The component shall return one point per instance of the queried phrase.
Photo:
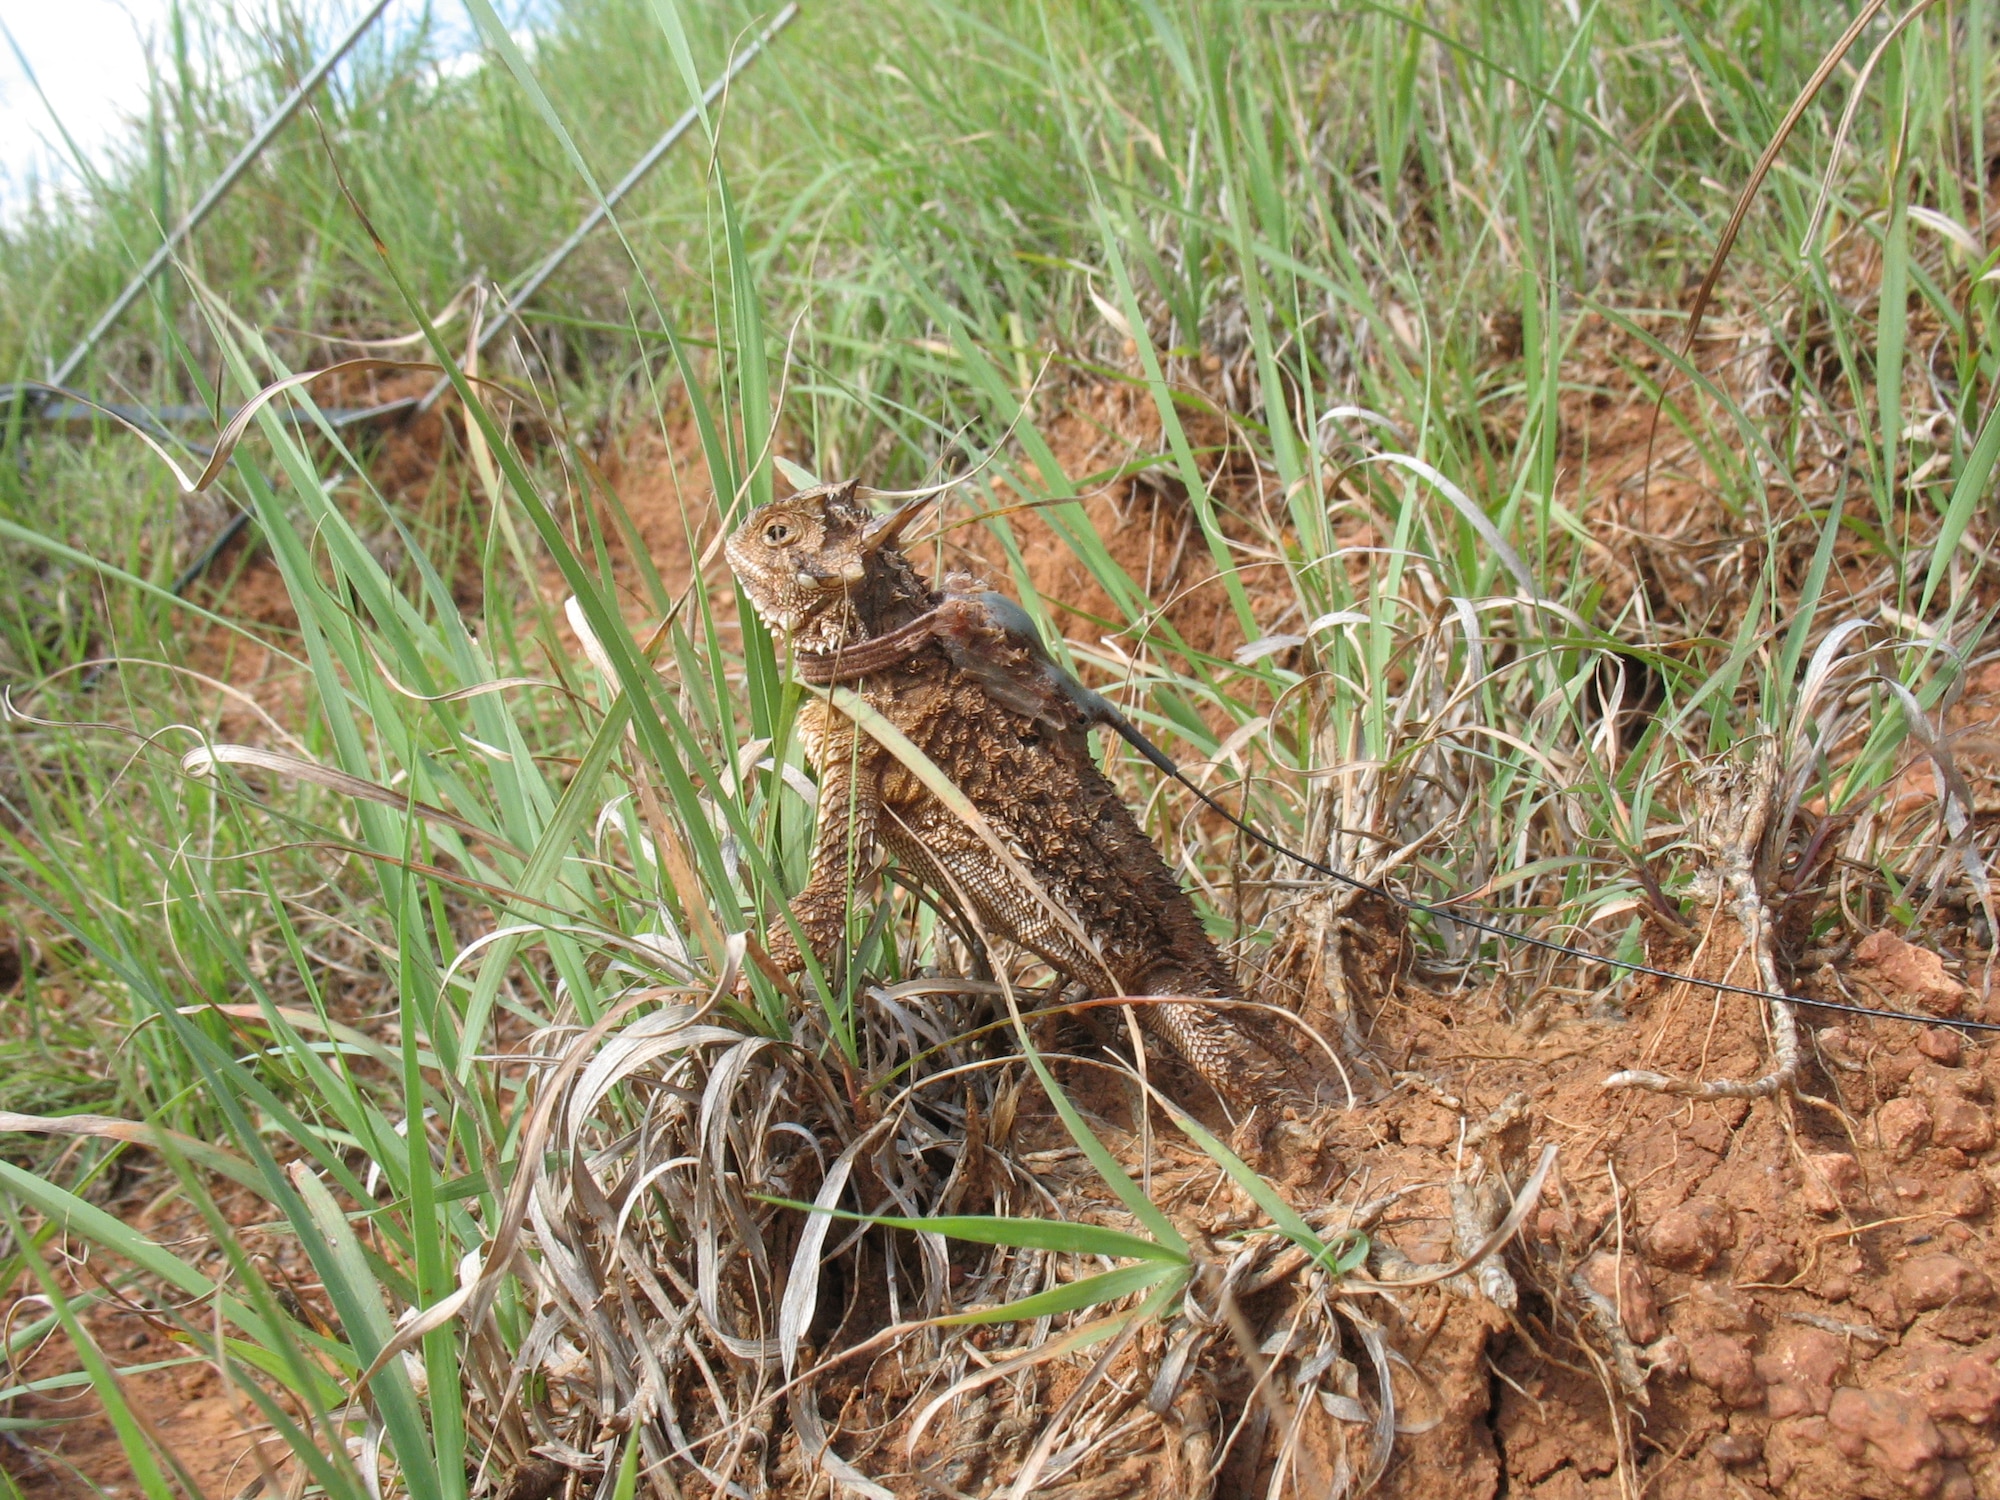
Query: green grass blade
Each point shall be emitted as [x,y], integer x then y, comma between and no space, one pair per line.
[1026,1234]
[1106,1286]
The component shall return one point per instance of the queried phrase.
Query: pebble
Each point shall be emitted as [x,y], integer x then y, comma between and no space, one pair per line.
[1690,1236]
[1902,1126]
[1555,1226]
[1894,1069]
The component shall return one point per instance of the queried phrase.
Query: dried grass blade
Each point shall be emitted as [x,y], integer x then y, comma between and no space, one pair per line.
[134,1133]
[674,1028]
[1476,518]
[818,1446]
[203,759]
[1076,1339]
[232,433]
[801,1296]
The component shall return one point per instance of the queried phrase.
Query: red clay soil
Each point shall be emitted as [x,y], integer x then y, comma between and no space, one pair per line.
[212,1434]
[1807,1287]
[1143,521]
[1813,1278]
[215,1434]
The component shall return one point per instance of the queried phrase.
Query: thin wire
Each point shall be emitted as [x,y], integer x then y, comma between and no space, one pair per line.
[1096,709]
[1549,944]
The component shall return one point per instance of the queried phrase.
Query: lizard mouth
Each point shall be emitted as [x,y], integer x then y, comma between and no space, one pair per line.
[789,622]
[811,632]
[813,614]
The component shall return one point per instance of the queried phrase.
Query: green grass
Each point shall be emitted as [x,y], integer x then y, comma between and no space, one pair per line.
[1263,218]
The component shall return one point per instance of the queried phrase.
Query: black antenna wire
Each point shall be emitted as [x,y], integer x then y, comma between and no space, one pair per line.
[1159,758]
[1058,685]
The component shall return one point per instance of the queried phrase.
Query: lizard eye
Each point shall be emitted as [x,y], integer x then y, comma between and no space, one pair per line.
[777,534]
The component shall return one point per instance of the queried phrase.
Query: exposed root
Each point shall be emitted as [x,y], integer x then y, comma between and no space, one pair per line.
[1736,820]
[1477,1209]
[1610,1327]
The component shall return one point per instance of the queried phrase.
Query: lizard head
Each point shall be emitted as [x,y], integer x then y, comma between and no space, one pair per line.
[805,560]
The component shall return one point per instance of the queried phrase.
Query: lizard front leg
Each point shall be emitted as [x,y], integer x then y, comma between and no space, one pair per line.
[850,806]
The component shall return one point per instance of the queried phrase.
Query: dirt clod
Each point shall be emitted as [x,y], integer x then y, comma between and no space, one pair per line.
[1726,1366]
[1941,1045]
[1934,1281]
[1832,1182]
[1623,1283]
[1915,976]
[1962,1125]
[1889,1431]
[1691,1236]
[1965,1196]
[1966,1389]
[1902,1126]
[1800,1371]
[1734,1449]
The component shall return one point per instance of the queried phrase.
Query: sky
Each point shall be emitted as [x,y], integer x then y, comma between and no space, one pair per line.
[89,57]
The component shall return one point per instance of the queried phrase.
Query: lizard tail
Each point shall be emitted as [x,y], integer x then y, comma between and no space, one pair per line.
[1230,1062]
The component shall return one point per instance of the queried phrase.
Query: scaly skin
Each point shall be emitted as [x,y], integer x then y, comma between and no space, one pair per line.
[819,567]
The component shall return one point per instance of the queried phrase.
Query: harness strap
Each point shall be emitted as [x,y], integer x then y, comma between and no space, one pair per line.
[890,648]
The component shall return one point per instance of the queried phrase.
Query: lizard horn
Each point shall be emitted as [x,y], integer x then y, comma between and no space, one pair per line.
[883,530]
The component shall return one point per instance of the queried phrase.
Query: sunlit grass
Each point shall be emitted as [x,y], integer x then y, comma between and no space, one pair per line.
[1366,269]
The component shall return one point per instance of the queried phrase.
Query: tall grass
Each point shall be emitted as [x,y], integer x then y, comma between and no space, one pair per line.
[1369,267]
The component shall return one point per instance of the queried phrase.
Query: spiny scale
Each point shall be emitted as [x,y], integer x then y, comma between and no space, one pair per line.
[963,675]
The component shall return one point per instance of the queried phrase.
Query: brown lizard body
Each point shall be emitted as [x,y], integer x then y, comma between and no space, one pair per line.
[963,676]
